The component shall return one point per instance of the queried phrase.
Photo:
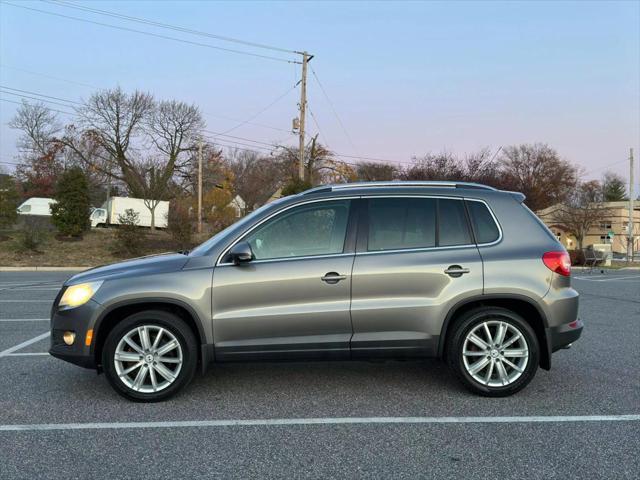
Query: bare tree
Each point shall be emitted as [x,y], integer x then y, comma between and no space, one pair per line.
[479,167]
[39,126]
[174,128]
[40,161]
[321,166]
[442,166]
[581,211]
[376,171]
[255,177]
[215,169]
[538,171]
[135,140]
[110,122]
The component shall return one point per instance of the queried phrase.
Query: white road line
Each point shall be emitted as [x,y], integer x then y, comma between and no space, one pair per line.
[24,320]
[316,421]
[28,301]
[6,352]
[608,279]
[27,354]
[29,289]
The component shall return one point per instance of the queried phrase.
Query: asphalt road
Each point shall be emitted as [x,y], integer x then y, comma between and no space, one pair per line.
[588,390]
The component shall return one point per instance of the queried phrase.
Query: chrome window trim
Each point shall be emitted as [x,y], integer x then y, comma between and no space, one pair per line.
[414,250]
[376,252]
[289,259]
[253,227]
[448,247]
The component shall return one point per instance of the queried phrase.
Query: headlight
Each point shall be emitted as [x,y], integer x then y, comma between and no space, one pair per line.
[77,295]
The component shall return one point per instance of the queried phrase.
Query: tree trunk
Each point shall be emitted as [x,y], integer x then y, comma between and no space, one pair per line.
[153,217]
[152,209]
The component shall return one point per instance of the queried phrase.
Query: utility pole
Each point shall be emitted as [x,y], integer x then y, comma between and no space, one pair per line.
[303,108]
[631,194]
[200,186]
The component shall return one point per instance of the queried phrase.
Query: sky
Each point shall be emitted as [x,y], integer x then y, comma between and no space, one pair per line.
[401,79]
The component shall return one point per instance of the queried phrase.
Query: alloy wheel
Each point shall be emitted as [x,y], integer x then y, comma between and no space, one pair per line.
[495,353]
[148,358]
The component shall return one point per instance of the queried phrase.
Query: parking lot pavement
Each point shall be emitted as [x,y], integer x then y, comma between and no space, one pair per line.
[509,437]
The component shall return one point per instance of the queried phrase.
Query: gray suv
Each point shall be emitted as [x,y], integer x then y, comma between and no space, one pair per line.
[459,271]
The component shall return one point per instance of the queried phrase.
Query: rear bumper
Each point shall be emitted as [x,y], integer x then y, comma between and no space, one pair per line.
[562,335]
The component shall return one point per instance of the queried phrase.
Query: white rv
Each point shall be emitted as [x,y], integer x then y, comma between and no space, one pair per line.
[108,214]
[36,206]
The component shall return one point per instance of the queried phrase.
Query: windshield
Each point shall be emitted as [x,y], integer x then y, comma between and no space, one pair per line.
[204,247]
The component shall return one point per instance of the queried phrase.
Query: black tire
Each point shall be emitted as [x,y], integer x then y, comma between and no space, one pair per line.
[465,324]
[158,318]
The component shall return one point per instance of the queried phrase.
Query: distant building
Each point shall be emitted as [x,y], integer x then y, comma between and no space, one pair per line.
[275,195]
[614,230]
[239,206]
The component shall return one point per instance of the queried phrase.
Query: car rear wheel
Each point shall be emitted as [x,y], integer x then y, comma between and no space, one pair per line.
[494,351]
[150,356]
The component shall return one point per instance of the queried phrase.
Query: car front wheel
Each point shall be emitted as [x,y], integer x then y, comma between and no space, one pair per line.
[150,356]
[494,351]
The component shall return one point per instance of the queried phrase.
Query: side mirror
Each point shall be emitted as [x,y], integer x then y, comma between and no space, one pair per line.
[241,253]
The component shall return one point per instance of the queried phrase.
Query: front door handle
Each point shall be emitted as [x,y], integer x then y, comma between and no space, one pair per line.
[456,271]
[333,277]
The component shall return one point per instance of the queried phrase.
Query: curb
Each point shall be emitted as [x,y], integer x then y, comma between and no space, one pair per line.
[44,269]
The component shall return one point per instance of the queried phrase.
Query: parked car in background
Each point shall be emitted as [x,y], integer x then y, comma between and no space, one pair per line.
[458,271]
[36,206]
[110,211]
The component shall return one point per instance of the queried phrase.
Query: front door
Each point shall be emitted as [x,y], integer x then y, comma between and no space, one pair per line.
[293,298]
[416,258]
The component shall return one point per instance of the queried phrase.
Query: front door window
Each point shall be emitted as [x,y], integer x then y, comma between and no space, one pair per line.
[308,230]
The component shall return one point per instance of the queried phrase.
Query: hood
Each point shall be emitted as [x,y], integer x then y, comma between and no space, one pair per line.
[162,263]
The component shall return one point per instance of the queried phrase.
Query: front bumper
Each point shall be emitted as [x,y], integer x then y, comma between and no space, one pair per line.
[79,320]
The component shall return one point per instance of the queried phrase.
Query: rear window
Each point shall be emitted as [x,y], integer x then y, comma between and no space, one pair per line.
[452,223]
[484,226]
[406,223]
[399,223]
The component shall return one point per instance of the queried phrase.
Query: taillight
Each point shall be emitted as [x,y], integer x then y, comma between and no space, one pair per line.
[558,262]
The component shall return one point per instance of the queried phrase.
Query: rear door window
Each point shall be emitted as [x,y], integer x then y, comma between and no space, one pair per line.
[453,228]
[401,223]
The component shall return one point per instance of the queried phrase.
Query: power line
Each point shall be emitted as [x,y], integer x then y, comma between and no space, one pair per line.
[333,109]
[167,26]
[239,138]
[226,133]
[253,117]
[40,94]
[36,99]
[157,35]
[605,166]
[247,123]
[313,117]
[48,76]
[209,114]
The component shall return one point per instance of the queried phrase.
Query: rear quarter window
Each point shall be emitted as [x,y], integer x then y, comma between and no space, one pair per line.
[484,226]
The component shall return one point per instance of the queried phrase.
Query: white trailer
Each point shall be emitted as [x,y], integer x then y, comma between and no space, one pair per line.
[36,206]
[117,206]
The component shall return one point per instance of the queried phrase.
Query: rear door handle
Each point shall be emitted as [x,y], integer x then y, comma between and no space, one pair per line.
[456,271]
[333,277]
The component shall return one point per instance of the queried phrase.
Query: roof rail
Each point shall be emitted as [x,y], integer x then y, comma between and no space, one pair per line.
[354,185]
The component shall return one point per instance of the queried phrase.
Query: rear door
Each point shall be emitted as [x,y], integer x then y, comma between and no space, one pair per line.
[415,259]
